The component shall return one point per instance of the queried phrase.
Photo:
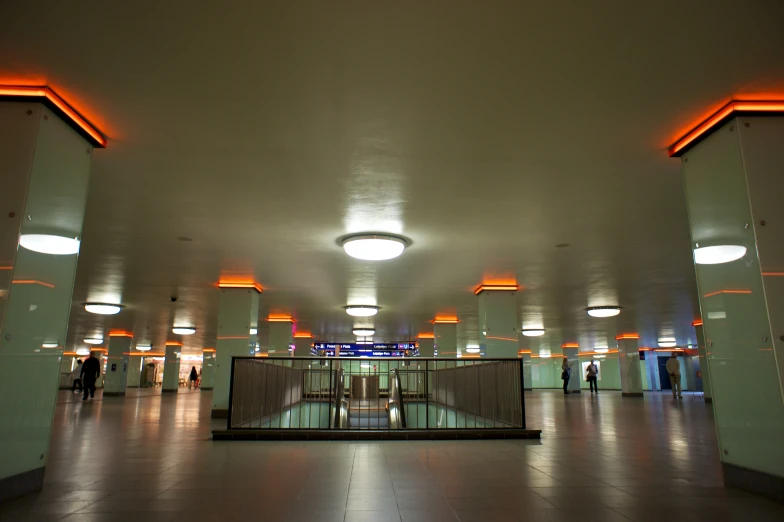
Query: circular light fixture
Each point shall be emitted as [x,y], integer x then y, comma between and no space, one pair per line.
[603,311]
[94,340]
[103,308]
[374,247]
[183,330]
[667,342]
[361,310]
[50,345]
[601,350]
[50,244]
[533,332]
[714,255]
[82,351]
[253,331]
[472,348]
[545,355]
[144,347]
[364,332]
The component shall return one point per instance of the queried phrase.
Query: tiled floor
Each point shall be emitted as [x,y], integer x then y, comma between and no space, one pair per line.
[149,458]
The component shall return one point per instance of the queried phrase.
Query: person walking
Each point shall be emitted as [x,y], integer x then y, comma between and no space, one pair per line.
[91,370]
[76,376]
[566,374]
[193,378]
[591,372]
[674,369]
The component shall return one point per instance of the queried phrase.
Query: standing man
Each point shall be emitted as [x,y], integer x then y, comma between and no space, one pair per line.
[91,370]
[591,372]
[566,374]
[674,369]
[76,376]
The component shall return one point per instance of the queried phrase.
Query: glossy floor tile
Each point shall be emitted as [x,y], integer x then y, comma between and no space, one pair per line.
[601,458]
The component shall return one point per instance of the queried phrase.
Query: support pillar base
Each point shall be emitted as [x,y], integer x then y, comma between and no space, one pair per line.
[631,394]
[757,482]
[219,414]
[113,394]
[22,484]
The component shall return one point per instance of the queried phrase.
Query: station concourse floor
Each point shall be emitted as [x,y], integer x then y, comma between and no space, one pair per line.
[149,457]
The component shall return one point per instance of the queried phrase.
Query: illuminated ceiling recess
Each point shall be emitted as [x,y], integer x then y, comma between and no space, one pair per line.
[94,340]
[472,348]
[361,310]
[82,351]
[183,330]
[144,347]
[603,311]
[50,345]
[667,342]
[496,288]
[533,332]
[103,308]
[718,254]
[364,332]
[374,247]
[49,244]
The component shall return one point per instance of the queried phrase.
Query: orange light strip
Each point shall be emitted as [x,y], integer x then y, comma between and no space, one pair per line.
[445,319]
[426,335]
[303,335]
[627,336]
[496,288]
[697,322]
[120,333]
[523,351]
[6,268]
[590,354]
[727,292]
[31,282]
[731,109]
[766,274]
[208,350]
[64,108]
[145,354]
[669,350]
[172,343]
[280,319]
[501,338]
[71,354]
[240,284]
[570,345]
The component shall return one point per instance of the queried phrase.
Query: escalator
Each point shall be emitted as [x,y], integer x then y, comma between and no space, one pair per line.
[366,409]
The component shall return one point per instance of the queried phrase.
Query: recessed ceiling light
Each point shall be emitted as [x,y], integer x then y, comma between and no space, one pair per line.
[545,355]
[94,340]
[82,351]
[533,332]
[603,311]
[714,255]
[50,345]
[183,330]
[253,331]
[50,244]
[374,247]
[601,350]
[144,347]
[364,332]
[361,310]
[472,348]
[103,308]
[667,342]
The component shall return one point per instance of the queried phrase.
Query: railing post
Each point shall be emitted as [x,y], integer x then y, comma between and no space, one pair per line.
[522,392]
[231,393]
[427,395]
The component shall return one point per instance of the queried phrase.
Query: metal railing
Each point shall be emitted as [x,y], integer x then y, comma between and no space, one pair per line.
[375,394]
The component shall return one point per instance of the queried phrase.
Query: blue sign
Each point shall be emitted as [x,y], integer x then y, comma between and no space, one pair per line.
[366,350]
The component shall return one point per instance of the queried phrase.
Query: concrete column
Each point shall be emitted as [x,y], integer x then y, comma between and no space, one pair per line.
[171,368]
[629,361]
[238,308]
[498,323]
[426,345]
[134,371]
[45,172]
[733,193]
[302,346]
[571,355]
[280,338]
[445,340]
[704,369]
[207,369]
[116,378]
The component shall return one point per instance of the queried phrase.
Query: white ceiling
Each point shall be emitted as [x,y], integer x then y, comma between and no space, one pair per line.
[487,133]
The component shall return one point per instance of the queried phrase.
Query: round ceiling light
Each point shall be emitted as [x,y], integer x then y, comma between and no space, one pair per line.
[146,347]
[667,342]
[361,310]
[472,348]
[603,311]
[94,340]
[374,247]
[601,350]
[50,345]
[253,331]
[103,308]
[183,330]
[83,351]
[714,255]
[533,332]
[364,332]
[545,355]
[50,244]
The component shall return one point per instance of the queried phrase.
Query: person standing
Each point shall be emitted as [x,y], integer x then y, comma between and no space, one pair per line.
[76,376]
[192,378]
[591,373]
[674,369]
[91,370]
[566,374]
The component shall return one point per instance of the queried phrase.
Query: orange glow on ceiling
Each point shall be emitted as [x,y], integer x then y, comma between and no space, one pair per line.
[426,335]
[501,338]
[523,351]
[668,350]
[70,354]
[445,319]
[280,318]
[31,282]
[172,343]
[627,336]
[732,109]
[6,268]
[496,287]
[228,282]
[766,274]
[303,335]
[697,322]
[592,354]
[226,337]
[120,333]
[718,292]
[145,354]
[570,345]
[64,110]
[208,350]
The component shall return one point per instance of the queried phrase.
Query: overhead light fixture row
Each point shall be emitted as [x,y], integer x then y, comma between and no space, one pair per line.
[603,311]
[374,247]
[103,308]
[183,330]
[361,310]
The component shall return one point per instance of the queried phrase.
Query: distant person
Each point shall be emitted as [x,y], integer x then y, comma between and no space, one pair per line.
[76,375]
[674,369]
[591,372]
[91,370]
[193,378]
[566,374]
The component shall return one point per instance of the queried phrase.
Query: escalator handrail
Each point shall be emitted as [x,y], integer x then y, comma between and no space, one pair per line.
[397,396]
[339,399]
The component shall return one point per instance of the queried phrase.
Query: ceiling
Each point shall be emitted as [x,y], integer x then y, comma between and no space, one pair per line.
[486,134]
